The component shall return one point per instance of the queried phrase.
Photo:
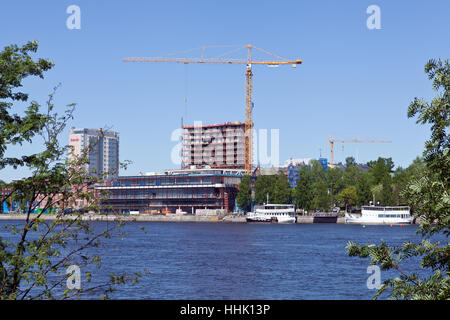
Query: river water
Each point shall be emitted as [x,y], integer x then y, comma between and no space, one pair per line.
[243,261]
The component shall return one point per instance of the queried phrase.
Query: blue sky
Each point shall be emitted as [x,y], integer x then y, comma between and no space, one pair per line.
[354,82]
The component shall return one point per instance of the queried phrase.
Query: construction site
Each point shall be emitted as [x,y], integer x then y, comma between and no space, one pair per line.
[214,157]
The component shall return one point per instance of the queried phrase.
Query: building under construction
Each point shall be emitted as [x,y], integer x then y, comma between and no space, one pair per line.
[184,190]
[214,146]
[213,164]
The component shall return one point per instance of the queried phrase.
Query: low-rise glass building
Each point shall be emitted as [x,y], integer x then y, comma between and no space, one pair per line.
[186,190]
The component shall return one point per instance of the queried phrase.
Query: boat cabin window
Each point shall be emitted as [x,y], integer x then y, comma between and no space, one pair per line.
[392,215]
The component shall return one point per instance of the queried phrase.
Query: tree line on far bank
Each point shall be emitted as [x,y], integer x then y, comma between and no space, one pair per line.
[347,187]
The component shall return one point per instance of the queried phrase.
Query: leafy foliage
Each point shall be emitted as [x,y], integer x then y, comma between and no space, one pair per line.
[320,190]
[302,192]
[282,191]
[244,196]
[264,188]
[336,183]
[34,260]
[348,196]
[363,192]
[16,65]
[428,193]
[319,186]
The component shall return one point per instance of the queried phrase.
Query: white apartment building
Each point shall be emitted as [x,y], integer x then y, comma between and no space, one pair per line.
[102,147]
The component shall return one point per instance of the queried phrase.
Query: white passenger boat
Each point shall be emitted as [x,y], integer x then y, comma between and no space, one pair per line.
[275,213]
[381,215]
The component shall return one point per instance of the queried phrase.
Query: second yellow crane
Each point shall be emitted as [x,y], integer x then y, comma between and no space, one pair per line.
[332,141]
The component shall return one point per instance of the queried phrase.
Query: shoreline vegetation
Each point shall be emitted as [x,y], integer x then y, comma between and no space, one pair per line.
[348,186]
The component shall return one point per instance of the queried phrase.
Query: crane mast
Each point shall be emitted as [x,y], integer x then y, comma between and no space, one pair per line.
[248,120]
[248,114]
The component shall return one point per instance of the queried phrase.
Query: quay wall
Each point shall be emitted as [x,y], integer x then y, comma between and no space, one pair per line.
[310,219]
[147,218]
[162,218]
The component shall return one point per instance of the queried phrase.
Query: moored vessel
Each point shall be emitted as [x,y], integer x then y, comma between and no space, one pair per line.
[381,215]
[273,213]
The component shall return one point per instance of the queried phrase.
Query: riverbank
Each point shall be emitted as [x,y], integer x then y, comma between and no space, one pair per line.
[158,218]
[231,218]
[140,218]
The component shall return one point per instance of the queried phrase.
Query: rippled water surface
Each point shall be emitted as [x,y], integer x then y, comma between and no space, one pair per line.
[244,261]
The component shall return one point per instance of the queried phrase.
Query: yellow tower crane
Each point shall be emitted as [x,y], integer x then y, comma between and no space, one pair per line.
[332,141]
[248,82]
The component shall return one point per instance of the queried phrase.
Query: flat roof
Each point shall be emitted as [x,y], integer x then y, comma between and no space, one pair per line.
[226,124]
[181,175]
